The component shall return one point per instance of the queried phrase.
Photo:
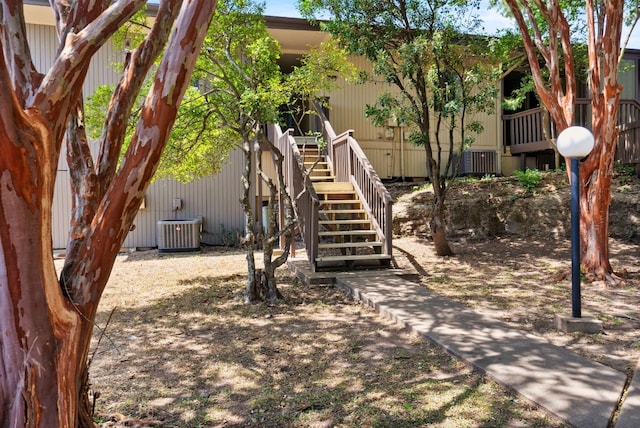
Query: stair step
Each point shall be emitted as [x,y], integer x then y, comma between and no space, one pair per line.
[354,211]
[339,201]
[350,245]
[328,195]
[321,178]
[356,232]
[353,257]
[350,221]
[334,187]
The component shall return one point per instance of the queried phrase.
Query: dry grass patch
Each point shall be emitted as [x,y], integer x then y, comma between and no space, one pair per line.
[512,280]
[181,349]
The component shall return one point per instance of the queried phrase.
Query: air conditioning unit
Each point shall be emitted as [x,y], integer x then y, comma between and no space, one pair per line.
[477,162]
[178,235]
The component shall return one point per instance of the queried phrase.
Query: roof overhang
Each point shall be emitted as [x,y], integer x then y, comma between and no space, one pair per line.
[295,35]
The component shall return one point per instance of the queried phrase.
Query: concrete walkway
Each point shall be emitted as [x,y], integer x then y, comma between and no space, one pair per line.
[579,392]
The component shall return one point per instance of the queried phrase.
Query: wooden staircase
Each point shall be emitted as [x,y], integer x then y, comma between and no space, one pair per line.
[347,237]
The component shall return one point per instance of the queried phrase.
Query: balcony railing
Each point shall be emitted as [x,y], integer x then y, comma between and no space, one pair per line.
[532,130]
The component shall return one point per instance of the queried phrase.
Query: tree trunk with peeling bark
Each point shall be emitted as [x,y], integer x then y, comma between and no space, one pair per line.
[604,31]
[272,234]
[261,283]
[46,322]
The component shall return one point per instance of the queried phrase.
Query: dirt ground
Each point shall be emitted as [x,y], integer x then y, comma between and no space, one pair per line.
[180,349]
[512,245]
[521,290]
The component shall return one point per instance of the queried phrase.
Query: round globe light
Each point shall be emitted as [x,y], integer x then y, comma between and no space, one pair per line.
[575,142]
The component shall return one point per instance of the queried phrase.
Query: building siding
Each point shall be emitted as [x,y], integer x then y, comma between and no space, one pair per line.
[214,199]
[43,40]
[385,146]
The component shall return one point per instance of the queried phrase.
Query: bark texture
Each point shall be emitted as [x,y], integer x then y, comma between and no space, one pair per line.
[45,322]
[557,94]
[604,32]
[262,283]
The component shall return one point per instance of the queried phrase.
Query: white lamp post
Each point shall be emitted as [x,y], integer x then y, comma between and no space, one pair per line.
[575,143]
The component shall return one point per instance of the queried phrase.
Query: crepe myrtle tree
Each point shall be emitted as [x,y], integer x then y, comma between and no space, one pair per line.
[246,90]
[46,321]
[442,77]
[242,87]
[549,39]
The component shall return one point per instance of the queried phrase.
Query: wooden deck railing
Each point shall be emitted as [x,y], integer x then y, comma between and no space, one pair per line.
[628,150]
[524,132]
[300,188]
[350,164]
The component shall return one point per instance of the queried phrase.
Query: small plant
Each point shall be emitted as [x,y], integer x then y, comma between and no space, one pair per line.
[529,179]
[425,186]
[228,238]
[623,169]
[623,172]
[488,177]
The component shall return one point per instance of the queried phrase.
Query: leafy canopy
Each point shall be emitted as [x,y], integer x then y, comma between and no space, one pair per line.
[238,86]
[442,73]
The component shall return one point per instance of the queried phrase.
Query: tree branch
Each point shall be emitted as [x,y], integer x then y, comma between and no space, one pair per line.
[120,203]
[61,87]
[136,68]
[17,54]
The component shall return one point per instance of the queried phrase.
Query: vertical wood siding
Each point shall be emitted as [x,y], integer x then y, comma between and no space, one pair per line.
[628,76]
[43,40]
[382,144]
[215,199]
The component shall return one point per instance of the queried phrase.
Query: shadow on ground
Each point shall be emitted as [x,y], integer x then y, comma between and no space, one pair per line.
[202,358]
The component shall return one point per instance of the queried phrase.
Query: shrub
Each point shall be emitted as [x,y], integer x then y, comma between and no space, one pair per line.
[529,179]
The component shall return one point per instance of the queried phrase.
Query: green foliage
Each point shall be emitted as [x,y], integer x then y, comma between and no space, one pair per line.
[425,186]
[320,70]
[516,98]
[132,33]
[623,169]
[624,173]
[529,179]
[197,147]
[238,69]
[441,74]
[238,86]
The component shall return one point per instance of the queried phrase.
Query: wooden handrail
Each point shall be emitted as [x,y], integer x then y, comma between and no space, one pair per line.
[300,188]
[350,164]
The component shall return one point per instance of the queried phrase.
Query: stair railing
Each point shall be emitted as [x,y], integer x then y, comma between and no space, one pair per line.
[305,200]
[350,164]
